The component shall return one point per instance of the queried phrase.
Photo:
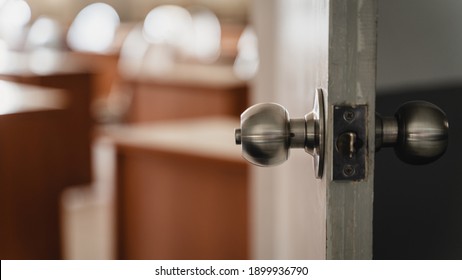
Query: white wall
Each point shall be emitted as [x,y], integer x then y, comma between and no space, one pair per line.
[419,43]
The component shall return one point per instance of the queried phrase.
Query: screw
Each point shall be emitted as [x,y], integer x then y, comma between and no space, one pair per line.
[348,170]
[349,116]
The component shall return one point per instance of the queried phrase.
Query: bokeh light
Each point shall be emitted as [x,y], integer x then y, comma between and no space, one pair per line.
[94,28]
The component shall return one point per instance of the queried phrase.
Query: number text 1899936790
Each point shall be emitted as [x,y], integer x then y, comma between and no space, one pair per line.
[268,270]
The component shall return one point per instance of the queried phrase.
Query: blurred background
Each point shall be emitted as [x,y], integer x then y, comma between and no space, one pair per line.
[117,121]
[133,102]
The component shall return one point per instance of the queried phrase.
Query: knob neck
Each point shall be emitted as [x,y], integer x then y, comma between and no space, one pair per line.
[386,131]
[304,133]
[297,133]
[313,133]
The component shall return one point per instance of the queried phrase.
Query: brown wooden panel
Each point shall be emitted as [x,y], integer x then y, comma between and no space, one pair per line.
[178,206]
[153,102]
[35,166]
[78,86]
[105,69]
[31,179]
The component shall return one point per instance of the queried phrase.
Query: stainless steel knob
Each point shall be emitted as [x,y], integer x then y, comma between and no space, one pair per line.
[418,132]
[267,133]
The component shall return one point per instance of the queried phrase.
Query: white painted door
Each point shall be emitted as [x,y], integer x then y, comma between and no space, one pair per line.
[304,45]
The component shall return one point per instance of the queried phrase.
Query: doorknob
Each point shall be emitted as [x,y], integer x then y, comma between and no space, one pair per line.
[418,132]
[267,133]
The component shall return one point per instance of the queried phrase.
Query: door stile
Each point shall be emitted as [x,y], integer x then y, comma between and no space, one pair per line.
[352,75]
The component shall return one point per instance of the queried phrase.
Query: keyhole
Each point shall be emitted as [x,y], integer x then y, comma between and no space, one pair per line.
[348,144]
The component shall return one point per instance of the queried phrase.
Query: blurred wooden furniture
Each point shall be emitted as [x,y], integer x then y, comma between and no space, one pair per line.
[57,70]
[33,170]
[181,191]
[230,35]
[104,68]
[189,91]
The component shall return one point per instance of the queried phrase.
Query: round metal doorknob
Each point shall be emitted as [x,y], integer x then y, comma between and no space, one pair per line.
[418,132]
[267,133]
[264,134]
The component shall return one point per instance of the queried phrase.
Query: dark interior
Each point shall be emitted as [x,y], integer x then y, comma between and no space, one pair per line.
[416,208]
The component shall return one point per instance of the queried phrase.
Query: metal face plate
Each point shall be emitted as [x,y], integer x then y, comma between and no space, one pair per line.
[350,120]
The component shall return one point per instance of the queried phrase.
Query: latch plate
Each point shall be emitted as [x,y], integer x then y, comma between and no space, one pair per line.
[349,134]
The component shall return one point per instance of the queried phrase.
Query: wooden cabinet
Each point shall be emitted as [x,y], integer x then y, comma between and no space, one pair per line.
[104,68]
[33,170]
[189,91]
[64,73]
[181,190]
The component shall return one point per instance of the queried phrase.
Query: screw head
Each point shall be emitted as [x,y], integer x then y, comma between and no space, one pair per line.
[349,116]
[349,170]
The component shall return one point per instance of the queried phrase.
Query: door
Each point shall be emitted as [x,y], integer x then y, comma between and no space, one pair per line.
[305,45]
[330,46]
